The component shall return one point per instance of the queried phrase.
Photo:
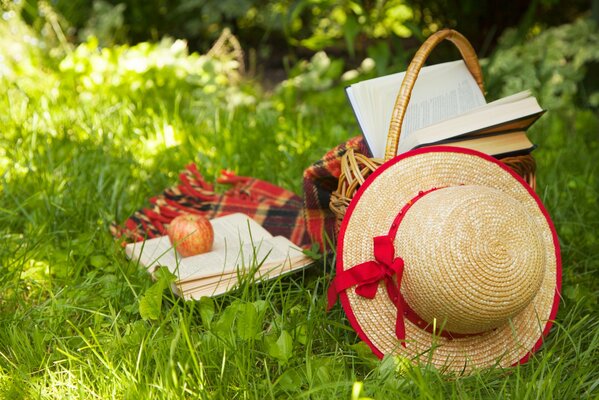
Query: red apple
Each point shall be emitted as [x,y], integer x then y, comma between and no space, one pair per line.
[191,234]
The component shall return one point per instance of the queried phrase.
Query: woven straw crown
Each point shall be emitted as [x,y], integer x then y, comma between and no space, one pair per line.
[476,261]
[475,258]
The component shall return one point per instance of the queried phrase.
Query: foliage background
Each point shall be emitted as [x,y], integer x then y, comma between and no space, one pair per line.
[99,110]
[279,33]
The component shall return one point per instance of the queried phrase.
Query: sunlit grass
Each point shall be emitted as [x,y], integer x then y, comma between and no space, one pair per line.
[73,160]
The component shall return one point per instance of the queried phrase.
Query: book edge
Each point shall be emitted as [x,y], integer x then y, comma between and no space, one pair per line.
[463,136]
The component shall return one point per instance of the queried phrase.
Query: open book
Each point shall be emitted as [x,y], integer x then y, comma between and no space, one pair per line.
[241,247]
[446,107]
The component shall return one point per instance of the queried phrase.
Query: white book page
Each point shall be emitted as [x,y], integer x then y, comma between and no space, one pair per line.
[440,92]
[229,231]
[512,98]
[285,256]
[218,284]
[237,257]
[214,286]
[492,114]
[153,253]
[236,225]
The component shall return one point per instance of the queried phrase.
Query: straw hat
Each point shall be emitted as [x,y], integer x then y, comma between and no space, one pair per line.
[447,256]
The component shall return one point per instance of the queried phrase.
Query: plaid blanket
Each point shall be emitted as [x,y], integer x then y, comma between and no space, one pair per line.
[280,211]
[277,209]
[320,180]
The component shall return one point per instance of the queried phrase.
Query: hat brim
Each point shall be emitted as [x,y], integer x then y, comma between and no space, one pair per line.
[390,187]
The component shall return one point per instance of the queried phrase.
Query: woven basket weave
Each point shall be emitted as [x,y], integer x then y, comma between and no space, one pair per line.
[355,167]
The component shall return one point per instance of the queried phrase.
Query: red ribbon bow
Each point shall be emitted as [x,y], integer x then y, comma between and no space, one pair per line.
[367,276]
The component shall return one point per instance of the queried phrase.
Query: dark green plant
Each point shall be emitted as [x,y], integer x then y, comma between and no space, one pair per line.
[556,64]
[277,34]
[483,22]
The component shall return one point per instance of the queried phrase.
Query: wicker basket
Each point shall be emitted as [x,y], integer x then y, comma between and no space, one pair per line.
[355,167]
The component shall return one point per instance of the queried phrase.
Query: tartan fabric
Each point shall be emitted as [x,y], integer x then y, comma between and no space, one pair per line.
[280,211]
[320,180]
[277,209]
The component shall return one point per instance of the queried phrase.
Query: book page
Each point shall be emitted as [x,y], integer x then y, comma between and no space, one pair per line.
[266,271]
[512,98]
[495,144]
[236,256]
[153,253]
[236,226]
[230,230]
[218,284]
[438,99]
[488,118]
[440,92]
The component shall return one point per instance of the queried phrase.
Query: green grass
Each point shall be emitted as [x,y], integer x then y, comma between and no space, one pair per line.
[74,158]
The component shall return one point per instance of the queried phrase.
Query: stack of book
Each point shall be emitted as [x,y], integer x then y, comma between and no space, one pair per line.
[446,107]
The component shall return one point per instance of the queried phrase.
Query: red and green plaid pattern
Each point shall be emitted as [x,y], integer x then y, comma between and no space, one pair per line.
[320,180]
[277,209]
[280,211]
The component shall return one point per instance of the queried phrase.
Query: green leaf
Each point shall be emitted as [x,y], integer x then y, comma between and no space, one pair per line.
[281,348]
[224,326]
[313,252]
[284,347]
[351,29]
[206,311]
[291,380]
[364,351]
[98,261]
[151,302]
[270,344]
[248,323]
[301,334]
[165,276]
[260,306]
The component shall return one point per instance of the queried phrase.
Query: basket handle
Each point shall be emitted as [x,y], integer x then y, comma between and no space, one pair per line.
[405,91]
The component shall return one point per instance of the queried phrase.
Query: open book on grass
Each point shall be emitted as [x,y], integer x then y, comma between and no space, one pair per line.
[446,107]
[242,249]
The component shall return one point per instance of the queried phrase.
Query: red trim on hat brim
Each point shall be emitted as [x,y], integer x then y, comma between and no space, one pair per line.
[448,149]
